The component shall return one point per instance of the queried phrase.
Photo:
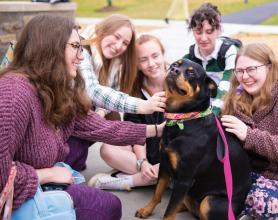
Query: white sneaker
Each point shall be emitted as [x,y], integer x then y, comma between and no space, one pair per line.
[105,181]
[92,181]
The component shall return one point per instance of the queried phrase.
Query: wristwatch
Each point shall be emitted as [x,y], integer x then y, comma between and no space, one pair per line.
[139,163]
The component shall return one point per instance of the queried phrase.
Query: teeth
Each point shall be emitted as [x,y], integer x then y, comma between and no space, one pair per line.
[249,83]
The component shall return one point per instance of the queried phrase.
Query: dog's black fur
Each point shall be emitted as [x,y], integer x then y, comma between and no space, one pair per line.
[189,156]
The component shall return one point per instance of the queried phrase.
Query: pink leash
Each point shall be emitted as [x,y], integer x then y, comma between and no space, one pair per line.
[227,171]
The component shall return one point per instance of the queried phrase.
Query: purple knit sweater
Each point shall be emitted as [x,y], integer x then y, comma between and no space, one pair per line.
[27,140]
[262,134]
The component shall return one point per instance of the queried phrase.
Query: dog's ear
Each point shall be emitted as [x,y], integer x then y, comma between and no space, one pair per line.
[212,86]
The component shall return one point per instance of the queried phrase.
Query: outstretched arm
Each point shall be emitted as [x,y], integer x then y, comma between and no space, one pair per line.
[108,98]
[95,128]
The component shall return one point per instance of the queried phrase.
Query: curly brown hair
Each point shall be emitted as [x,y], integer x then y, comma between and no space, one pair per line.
[206,12]
[40,56]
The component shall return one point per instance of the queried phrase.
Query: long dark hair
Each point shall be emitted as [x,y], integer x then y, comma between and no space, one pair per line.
[40,55]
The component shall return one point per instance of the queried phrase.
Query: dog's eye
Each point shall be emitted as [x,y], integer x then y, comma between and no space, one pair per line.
[182,92]
[190,73]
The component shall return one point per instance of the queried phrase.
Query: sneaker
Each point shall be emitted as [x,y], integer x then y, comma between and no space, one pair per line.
[104,181]
[94,178]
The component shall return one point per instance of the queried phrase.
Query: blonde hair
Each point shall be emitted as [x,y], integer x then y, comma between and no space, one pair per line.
[244,102]
[138,83]
[106,27]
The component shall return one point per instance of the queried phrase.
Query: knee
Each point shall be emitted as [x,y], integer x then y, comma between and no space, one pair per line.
[115,210]
[92,203]
[105,152]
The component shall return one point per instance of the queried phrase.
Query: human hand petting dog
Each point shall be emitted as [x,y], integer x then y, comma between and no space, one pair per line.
[154,104]
[235,126]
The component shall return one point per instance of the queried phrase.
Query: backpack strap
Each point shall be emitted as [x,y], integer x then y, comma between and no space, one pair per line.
[192,56]
[221,60]
[227,43]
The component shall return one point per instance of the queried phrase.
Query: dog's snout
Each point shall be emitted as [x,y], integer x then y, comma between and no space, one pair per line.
[175,70]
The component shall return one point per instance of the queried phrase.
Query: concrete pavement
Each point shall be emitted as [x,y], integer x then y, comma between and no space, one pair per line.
[254,15]
[133,200]
[176,38]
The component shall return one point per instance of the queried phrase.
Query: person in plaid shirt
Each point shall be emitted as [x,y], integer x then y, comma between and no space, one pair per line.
[138,165]
[111,61]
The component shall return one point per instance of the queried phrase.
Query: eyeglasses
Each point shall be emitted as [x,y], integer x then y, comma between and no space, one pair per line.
[78,47]
[250,70]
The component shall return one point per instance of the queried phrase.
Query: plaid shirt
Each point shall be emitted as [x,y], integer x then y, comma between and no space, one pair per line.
[103,96]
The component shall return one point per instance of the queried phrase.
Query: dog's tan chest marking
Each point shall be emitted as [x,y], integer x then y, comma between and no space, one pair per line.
[173,158]
[204,208]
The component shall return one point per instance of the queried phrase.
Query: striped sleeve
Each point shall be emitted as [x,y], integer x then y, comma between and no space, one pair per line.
[224,84]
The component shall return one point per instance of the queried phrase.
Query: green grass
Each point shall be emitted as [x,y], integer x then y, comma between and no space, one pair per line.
[272,21]
[156,9]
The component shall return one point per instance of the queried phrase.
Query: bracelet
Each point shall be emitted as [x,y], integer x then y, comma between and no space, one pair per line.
[139,163]
[156,131]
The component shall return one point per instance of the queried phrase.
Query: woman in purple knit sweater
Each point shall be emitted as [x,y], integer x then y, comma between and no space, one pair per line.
[251,113]
[42,104]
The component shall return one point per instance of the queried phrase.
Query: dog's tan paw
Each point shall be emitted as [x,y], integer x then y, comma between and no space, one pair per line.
[142,213]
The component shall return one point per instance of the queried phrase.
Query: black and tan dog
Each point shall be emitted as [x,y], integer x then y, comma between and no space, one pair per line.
[189,156]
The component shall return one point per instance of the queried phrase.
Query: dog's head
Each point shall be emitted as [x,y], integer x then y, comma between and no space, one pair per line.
[188,88]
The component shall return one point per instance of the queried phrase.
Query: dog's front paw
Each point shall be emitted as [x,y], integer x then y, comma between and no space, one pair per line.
[143,213]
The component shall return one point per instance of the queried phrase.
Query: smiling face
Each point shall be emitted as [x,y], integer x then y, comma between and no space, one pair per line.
[252,83]
[151,59]
[73,54]
[205,37]
[115,44]
[188,88]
